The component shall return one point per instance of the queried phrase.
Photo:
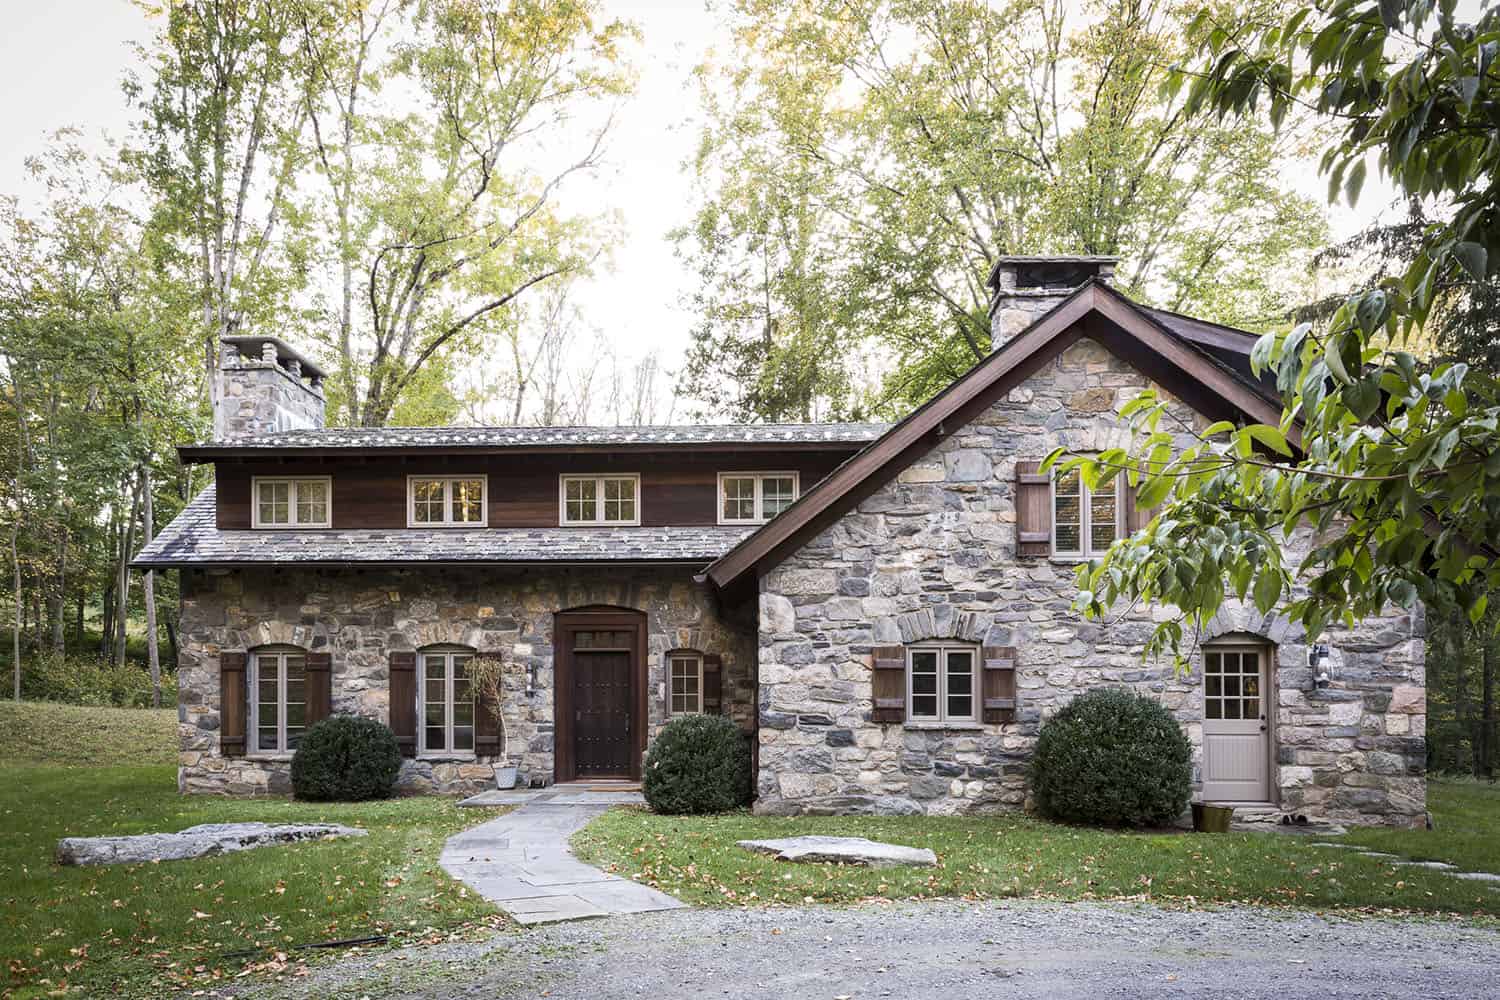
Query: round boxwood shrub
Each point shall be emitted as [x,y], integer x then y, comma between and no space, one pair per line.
[698,764]
[346,758]
[1112,758]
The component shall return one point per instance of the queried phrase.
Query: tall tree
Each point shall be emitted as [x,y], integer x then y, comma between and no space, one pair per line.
[865,161]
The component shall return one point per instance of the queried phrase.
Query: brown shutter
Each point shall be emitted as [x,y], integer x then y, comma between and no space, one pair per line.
[888,684]
[998,688]
[713,684]
[1033,510]
[404,701]
[319,686]
[232,704]
[487,721]
[1136,517]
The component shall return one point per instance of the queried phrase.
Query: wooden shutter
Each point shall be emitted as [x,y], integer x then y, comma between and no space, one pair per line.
[888,684]
[1033,511]
[999,684]
[319,686]
[404,701]
[232,704]
[1136,517]
[713,684]
[487,721]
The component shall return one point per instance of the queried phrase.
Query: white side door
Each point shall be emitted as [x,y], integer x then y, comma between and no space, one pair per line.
[1236,732]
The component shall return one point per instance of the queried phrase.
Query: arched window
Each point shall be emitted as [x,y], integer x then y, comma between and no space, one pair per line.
[445,701]
[278,698]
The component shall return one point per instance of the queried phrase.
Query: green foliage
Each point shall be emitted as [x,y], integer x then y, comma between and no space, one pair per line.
[697,764]
[83,680]
[1385,465]
[1111,757]
[44,732]
[863,163]
[346,758]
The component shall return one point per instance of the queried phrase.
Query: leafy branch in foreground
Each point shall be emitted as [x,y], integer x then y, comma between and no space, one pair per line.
[1379,484]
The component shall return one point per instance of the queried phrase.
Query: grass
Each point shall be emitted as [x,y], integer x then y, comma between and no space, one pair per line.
[39,732]
[1466,828]
[145,930]
[1019,856]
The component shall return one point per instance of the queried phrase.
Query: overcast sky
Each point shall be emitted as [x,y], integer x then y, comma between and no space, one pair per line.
[61,62]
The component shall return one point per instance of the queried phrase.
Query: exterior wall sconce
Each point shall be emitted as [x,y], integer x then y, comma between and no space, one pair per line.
[1317,659]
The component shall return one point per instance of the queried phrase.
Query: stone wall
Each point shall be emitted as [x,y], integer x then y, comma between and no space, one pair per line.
[932,555]
[258,395]
[362,615]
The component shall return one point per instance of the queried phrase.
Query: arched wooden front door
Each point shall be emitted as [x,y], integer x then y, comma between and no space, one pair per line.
[600,694]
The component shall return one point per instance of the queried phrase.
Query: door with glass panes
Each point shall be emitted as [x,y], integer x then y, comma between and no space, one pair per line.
[1236,725]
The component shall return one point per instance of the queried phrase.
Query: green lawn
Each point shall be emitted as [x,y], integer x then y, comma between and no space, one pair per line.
[41,732]
[1018,856]
[135,931]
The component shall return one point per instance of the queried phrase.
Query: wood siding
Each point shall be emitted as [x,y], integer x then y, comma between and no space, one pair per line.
[523,490]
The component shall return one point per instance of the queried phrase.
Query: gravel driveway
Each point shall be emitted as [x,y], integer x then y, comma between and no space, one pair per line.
[951,950]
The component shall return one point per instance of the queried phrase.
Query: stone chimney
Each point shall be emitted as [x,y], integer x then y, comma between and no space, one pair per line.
[265,385]
[1023,288]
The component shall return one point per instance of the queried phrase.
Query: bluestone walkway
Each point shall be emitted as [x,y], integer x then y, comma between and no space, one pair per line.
[521,862]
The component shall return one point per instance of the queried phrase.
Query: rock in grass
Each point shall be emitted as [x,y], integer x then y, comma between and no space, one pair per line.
[194,842]
[845,850]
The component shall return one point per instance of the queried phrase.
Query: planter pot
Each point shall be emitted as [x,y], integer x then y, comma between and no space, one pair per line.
[1211,818]
[505,777]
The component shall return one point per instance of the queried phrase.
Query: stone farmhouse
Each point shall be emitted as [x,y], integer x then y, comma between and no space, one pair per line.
[885,610]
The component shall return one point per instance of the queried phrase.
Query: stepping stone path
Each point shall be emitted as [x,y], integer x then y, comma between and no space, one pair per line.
[844,850]
[195,842]
[521,862]
[1396,861]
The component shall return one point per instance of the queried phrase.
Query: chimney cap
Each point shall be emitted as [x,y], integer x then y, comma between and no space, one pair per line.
[249,345]
[1102,263]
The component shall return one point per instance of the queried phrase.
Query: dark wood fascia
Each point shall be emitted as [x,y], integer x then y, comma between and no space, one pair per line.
[201,454]
[1180,368]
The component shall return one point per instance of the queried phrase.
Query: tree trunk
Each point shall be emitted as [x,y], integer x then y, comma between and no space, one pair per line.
[148,585]
[1485,757]
[122,576]
[106,618]
[57,612]
[15,635]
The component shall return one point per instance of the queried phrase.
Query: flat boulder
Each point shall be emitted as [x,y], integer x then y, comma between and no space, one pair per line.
[842,850]
[199,841]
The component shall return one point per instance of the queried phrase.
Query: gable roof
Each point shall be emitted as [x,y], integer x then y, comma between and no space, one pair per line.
[1176,351]
[395,440]
[193,539]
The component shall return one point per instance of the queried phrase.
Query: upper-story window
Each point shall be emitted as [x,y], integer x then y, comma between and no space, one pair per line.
[1084,523]
[291,502]
[755,497]
[600,500]
[438,501]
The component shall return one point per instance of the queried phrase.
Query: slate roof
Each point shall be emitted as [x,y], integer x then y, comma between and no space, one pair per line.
[364,438]
[193,539]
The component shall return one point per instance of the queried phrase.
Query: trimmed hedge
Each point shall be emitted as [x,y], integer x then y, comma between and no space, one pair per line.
[698,764]
[346,758]
[1112,758]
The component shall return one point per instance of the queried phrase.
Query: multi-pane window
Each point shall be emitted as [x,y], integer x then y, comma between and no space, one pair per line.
[446,500]
[447,702]
[940,683]
[291,503]
[278,708]
[601,500]
[1084,523]
[687,683]
[1231,683]
[755,497]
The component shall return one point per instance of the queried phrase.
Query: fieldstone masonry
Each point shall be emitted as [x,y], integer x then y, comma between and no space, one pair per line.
[360,616]
[932,555]
[265,392]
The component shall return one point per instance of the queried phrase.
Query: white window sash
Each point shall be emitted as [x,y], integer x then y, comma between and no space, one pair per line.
[293,484]
[449,482]
[943,717]
[758,516]
[599,503]
[672,662]
[1086,548]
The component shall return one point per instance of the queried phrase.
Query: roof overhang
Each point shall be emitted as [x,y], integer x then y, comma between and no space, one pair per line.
[194,454]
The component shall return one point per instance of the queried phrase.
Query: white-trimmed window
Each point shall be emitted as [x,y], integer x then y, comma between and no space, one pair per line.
[447,501]
[600,500]
[755,497]
[446,702]
[686,683]
[1084,523]
[942,683]
[278,699]
[291,502]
